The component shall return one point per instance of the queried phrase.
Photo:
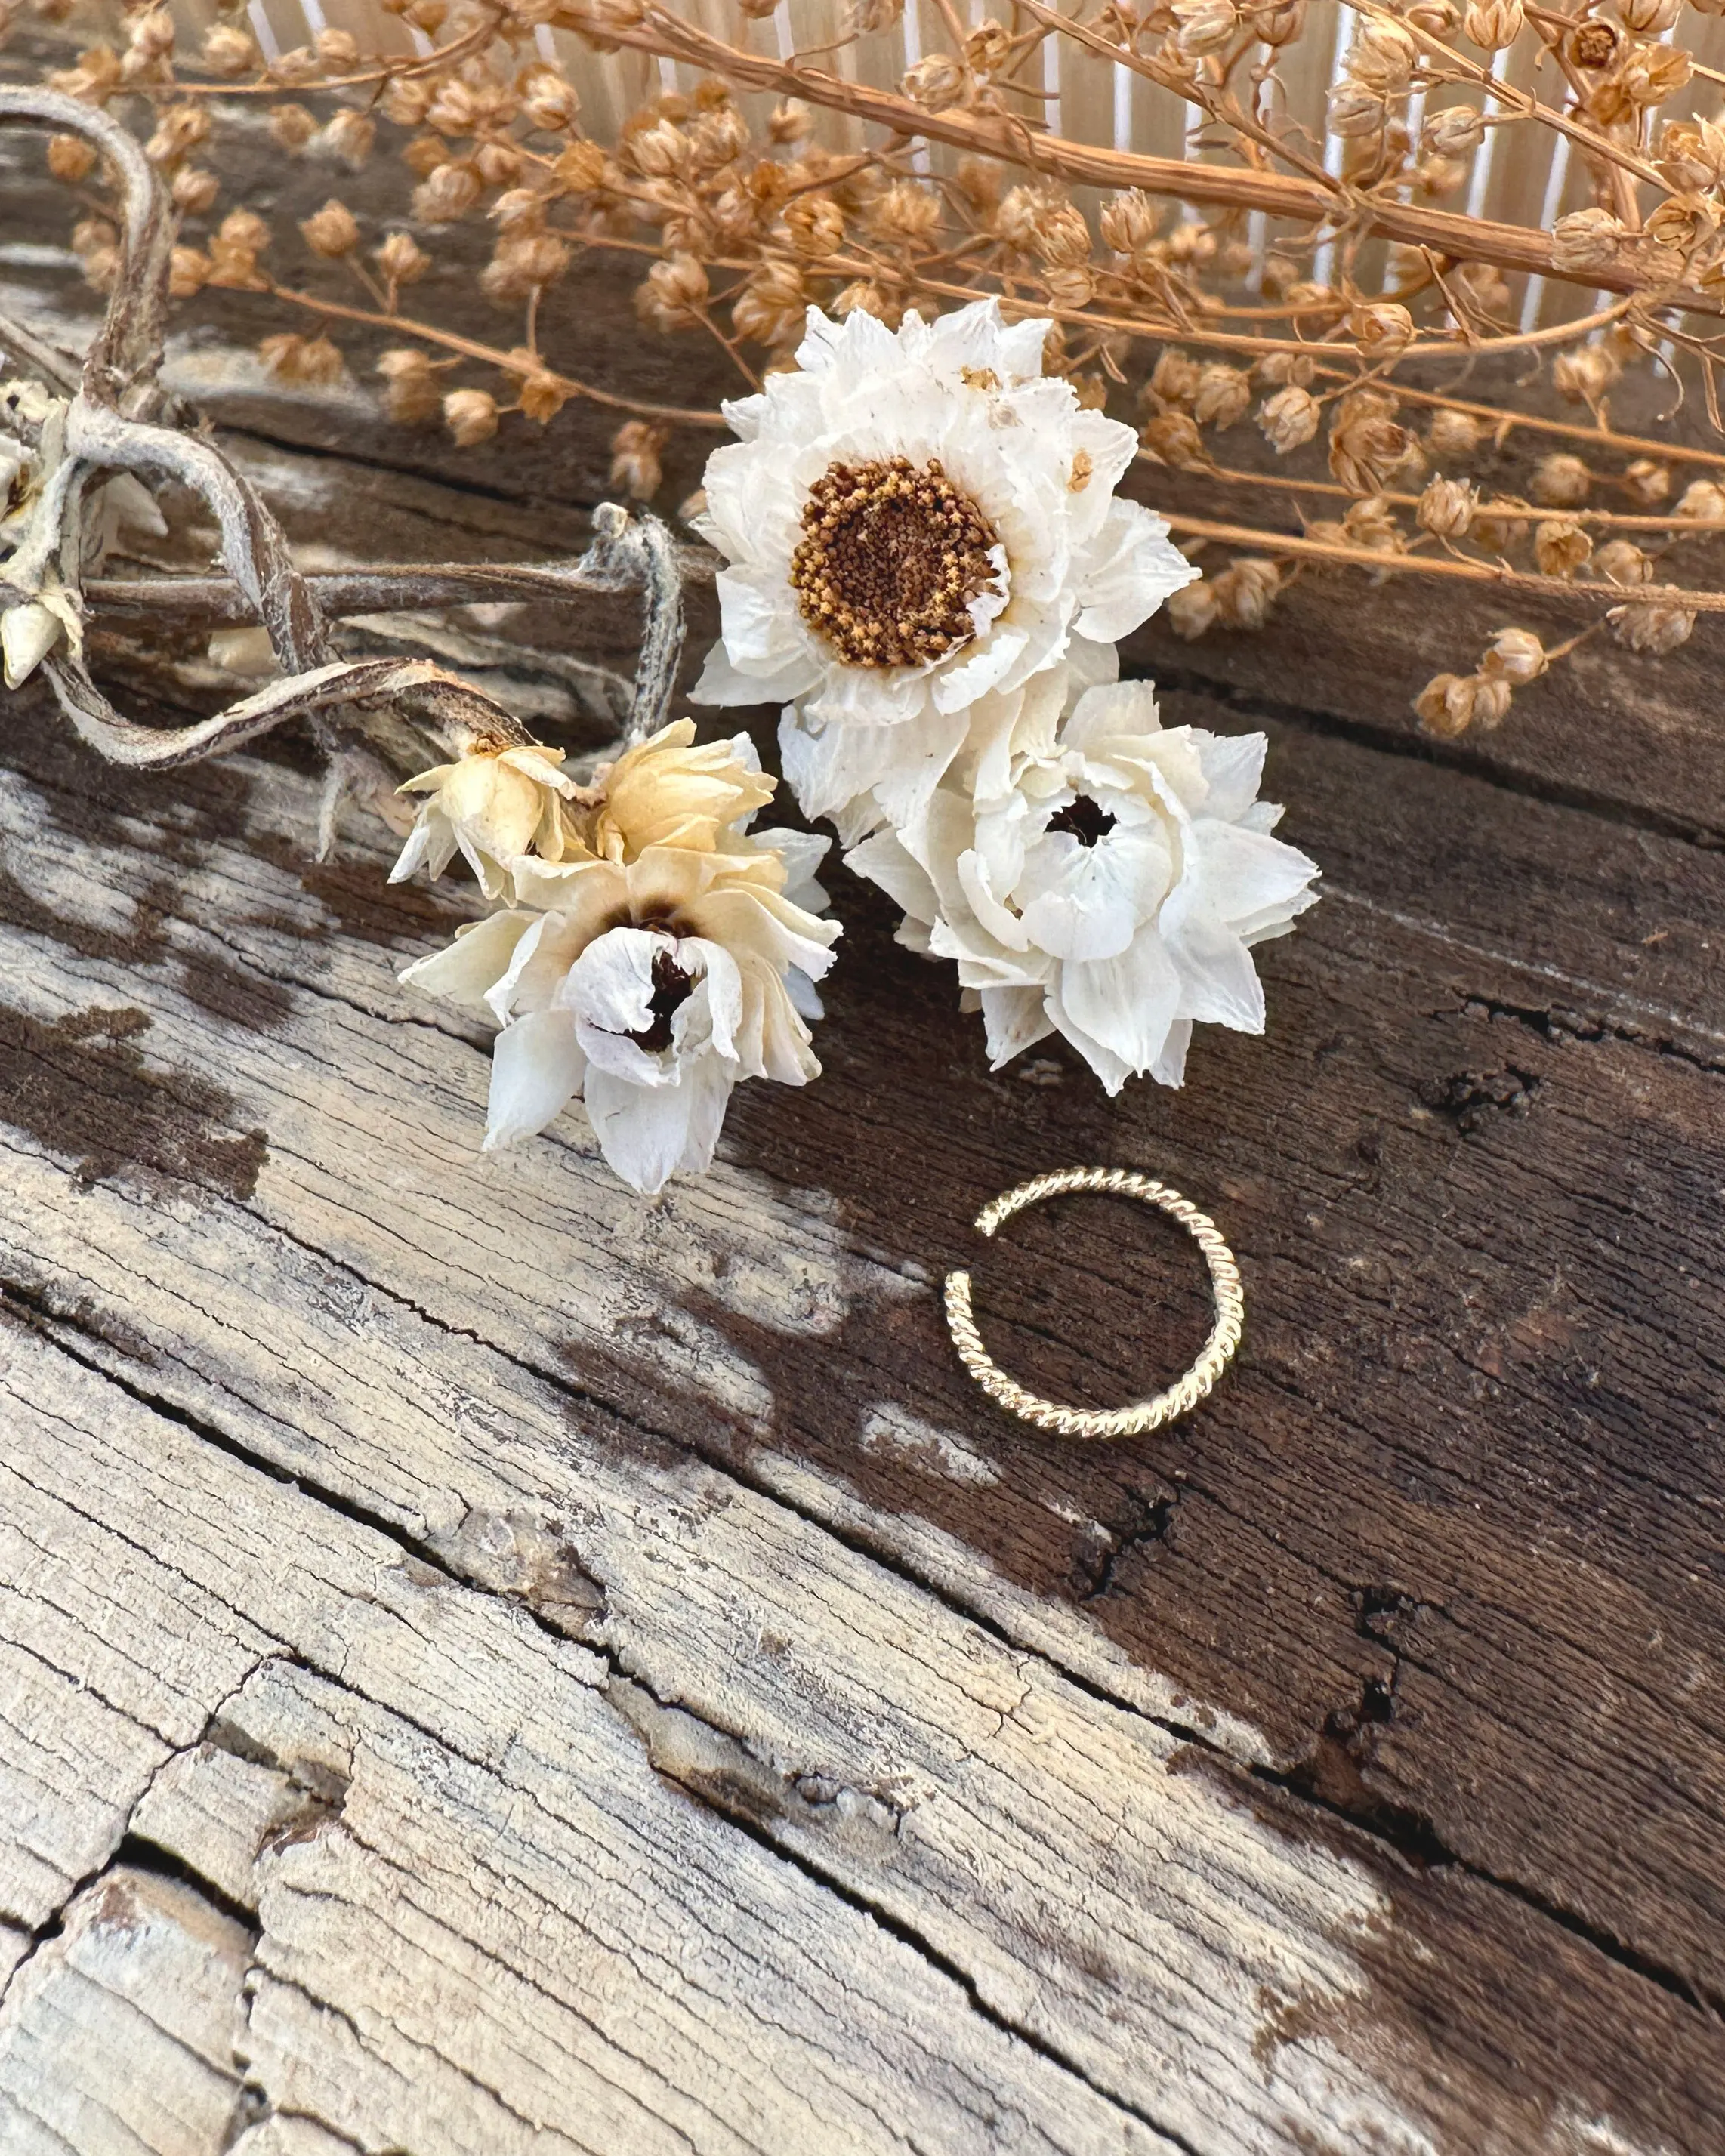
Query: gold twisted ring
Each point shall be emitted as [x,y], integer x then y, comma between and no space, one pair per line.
[1185,1393]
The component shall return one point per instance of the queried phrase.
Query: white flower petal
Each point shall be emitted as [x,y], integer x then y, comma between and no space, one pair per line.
[884,860]
[650,1133]
[467,970]
[537,1068]
[1015,1018]
[1124,1005]
[1131,568]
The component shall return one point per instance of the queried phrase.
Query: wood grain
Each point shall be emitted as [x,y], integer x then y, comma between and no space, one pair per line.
[486,1663]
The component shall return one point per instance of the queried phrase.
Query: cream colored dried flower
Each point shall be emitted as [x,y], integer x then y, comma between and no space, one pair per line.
[1113,892]
[1703,499]
[1245,591]
[1621,562]
[669,790]
[1012,559]
[470,416]
[1193,610]
[1223,396]
[1289,418]
[1447,508]
[673,293]
[635,450]
[650,989]
[413,396]
[1586,240]
[937,82]
[331,231]
[227,51]
[1493,25]
[1647,482]
[1655,629]
[492,805]
[1515,655]
[312,361]
[1561,481]
[1561,548]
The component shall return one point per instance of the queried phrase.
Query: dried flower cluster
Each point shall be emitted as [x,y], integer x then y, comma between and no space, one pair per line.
[648,951]
[1091,874]
[1295,285]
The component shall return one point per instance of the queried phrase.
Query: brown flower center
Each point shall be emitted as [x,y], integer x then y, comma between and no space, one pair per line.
[891,556]
[672,988]
[1083,819]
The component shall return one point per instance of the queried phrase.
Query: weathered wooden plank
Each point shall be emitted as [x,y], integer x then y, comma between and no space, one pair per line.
[119,2034]
[309,1361]
[484,1924]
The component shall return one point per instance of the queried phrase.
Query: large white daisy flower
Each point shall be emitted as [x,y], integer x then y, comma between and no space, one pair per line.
[1112,893]
[917,525]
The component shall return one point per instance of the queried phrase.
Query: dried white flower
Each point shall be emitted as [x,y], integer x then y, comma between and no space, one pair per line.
[916,522]
[493,803]
[1113,893]
[650,988]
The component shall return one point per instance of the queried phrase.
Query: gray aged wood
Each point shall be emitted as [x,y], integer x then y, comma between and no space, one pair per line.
[488,1664]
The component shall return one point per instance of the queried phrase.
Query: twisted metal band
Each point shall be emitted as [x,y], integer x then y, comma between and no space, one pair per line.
[1185,1393]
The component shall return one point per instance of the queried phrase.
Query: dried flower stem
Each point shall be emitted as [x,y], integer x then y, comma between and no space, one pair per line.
[1503,578]
[1447,232]
[686,415]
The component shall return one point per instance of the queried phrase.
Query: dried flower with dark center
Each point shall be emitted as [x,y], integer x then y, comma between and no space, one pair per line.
[1083,819]
[672,988]
[893,555]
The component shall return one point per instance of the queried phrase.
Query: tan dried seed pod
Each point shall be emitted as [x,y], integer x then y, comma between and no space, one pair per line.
[1515,655]
[331,231]
[1561,548]
[1560,481]
[470,416]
